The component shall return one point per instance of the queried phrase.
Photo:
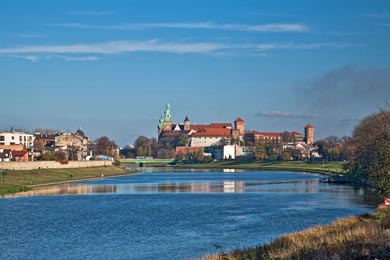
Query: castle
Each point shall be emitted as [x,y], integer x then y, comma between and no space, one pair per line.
[205,135]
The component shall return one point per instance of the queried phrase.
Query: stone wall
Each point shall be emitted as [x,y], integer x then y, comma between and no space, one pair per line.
[51,165]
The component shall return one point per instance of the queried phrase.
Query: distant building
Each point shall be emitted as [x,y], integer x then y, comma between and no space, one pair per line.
[45,141]
[73,144]
[16,138]
[13,153]
[197,135]
[220,135]
[226,152]
[309,134]
[253,137]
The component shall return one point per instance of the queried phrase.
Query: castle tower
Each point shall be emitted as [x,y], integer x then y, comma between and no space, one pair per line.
[239,125]
[186,124]
[309,134]
[165,121]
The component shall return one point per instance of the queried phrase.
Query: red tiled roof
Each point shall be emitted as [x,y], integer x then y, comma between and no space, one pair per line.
[213,132]
[309,126]
[19,153]
[212,125]
[239,120]
[294,133]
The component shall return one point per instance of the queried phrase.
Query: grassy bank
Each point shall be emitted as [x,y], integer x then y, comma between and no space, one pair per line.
[363,237]
[315,167]
[15,181]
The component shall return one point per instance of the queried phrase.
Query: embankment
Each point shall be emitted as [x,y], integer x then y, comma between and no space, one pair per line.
[362,237]
[23,166]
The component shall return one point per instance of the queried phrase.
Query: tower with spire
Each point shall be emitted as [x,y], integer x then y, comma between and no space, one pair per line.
[165,121]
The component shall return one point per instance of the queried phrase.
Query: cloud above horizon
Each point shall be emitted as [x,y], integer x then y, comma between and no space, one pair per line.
[264,28]
[156,45]
[283,114]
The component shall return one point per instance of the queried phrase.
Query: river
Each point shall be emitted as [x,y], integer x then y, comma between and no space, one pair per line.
[168,214]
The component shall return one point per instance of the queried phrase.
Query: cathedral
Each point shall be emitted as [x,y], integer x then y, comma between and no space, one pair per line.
[196,135]
[205,135]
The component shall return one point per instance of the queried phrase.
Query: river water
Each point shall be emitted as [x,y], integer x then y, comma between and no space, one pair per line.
[169,215]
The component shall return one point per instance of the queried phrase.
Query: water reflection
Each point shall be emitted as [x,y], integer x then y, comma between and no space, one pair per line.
[67,189]
[126,186]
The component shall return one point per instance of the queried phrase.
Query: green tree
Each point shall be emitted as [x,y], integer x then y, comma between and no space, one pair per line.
[371,151]
[47,156]
[184,140]
[143,147]
[260,152]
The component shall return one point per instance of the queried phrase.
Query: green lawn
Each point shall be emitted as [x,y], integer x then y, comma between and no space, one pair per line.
[15,181]
[317,167]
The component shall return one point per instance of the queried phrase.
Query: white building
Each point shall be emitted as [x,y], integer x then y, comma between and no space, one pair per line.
[15,138]
[225,152]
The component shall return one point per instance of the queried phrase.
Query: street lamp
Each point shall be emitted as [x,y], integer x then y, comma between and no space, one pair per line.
[4,173]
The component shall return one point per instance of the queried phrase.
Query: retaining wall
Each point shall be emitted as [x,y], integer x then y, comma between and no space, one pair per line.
[52,165]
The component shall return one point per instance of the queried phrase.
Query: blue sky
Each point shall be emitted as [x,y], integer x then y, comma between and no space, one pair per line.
[111,66]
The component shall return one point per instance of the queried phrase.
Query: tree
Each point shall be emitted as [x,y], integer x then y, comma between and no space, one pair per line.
[143,147]
[184,140]
[73,153]
[260,150]
[105,146]
[371,151]
[60,156]
[154,146]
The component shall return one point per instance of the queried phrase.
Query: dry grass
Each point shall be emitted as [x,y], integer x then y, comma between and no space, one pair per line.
[351,238]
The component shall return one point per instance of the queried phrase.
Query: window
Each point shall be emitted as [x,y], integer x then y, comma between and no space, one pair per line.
[2,138]
[12,137]
[20,138]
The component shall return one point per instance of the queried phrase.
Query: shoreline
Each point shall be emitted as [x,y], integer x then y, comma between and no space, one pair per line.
[365,236]
[52,177]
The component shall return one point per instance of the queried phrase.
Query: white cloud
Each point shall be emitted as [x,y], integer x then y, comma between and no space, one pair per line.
[78,58]
[282,114]
[35,58]
[93,51]
[305,46]
[273,27]
[378,15]
[116,47]
[32,58]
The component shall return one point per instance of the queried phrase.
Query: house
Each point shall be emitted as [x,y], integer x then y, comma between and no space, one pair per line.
[16,138]
[225,152]
[18,155]
[75,145]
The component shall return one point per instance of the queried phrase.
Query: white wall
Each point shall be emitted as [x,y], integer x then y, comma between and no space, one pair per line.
[204,141]
[17,138]
[226,152]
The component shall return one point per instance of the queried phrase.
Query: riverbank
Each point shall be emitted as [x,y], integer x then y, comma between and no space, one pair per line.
[314,167]
[362,237]
[18,180]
